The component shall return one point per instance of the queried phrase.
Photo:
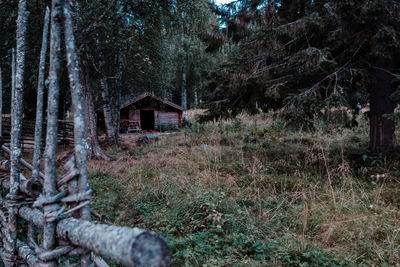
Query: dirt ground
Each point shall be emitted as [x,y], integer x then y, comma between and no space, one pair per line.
[130,139]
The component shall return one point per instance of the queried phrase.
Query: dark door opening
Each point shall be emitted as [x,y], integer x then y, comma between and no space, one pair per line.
[147,119]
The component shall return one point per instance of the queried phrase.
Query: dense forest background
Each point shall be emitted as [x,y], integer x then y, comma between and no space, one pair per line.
[304,57]
[134,46]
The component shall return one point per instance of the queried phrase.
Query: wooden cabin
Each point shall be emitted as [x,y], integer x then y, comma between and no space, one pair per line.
[149,112]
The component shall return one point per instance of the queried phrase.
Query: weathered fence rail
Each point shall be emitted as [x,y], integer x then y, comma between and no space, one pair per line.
[128,246]
[65,133]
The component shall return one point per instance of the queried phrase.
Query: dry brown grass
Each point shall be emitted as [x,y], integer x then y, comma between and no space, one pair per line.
[304,191]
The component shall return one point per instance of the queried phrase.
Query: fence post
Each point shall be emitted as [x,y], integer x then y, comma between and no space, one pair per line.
[79,121]
[50,208]
[13,197]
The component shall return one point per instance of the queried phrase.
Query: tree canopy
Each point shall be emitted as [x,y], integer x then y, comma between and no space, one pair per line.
[304,56]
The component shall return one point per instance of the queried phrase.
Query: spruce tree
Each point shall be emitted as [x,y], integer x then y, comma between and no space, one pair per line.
[309,55]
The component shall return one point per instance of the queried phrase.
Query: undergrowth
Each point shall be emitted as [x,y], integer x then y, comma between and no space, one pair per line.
[249,192]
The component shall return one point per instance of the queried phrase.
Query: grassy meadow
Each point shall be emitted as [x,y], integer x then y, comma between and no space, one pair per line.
[250,192]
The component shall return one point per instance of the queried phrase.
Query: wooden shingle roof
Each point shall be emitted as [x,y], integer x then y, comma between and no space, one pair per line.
[147,94]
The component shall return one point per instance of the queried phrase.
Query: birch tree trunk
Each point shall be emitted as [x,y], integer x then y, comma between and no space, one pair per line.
[112,102]
[184,89]
[196,105]
[108,120]
[117,109]
[118,90]
[183,70]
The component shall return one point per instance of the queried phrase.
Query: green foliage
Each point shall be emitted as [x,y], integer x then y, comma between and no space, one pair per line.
[200,244]
[210,228]
[303,56]
[188,123]
[193,127]
[312,257]
[167,128]
[295,121]
[106,200]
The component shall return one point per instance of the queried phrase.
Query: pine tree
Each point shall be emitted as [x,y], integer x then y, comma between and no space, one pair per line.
[309,55]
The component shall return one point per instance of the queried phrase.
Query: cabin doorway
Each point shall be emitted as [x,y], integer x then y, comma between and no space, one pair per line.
[147,119]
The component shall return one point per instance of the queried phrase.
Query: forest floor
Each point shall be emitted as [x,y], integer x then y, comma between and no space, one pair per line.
[249,192]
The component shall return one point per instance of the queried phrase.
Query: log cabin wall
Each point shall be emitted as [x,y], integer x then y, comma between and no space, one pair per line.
[167,119]
[163,119]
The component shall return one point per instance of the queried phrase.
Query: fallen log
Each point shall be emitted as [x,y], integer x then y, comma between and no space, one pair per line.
[127,246]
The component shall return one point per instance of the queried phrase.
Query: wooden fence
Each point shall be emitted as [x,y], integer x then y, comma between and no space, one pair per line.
[65,133]
[126,246]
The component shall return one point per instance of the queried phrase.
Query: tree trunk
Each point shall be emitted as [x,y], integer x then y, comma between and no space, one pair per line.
[184,89]
[94,150]
[183,70]
[382,135]
[196,105]
[108,120]
[112,102]
[118,91]
[117,112]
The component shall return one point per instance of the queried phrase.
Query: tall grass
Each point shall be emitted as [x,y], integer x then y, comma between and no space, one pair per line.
[248,192]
